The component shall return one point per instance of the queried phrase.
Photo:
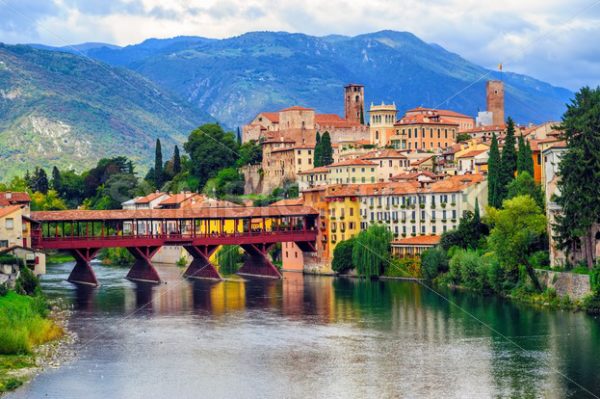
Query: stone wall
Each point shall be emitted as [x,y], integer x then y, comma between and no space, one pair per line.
[576,286]
[9,274]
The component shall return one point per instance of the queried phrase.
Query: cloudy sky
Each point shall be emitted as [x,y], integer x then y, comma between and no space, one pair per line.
[554,40]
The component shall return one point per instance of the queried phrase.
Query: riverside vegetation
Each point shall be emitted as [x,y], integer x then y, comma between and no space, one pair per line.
[24,324]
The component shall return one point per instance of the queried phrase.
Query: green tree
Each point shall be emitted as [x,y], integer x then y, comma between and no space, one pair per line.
[317,152]
[229,258]
[56,180]
[524,157]
[326,150]
[40,181]
[176,160]
[469,232]
[228,181]
[524,184]
[433,262]
[463,137]
[372,250]
[47,202]
[210,150]
[250,153]
[579,172]
[342,256]
[494,174]
[516,229]
[158,165]
[508,163]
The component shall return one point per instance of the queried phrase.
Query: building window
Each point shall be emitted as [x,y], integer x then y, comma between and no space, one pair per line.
[3,243]
[10,223]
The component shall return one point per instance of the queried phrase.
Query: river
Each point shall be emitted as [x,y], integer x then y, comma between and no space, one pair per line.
[312,337]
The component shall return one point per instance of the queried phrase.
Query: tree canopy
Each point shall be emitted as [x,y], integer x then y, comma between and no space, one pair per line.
[372,250]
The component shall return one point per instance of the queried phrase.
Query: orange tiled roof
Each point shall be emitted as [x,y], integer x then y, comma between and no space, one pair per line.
[423,119]
[145,214]
[289,202]
[178,198]
[383,154]
[351,162]
[15,197]
[8,210]
[472,153]
[441,112]
[296,108]
[418,240]
[319,169]
[148,198]
[272,116]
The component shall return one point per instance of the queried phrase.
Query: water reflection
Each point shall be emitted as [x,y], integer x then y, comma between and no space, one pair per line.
[315,336]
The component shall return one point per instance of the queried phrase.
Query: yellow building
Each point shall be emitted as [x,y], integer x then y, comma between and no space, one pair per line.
[382,118]
[12,228]
[344,214]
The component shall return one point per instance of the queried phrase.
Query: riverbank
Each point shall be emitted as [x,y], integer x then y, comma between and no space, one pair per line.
[32,337]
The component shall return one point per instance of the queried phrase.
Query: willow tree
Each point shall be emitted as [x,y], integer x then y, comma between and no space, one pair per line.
[229,258]
[371,250]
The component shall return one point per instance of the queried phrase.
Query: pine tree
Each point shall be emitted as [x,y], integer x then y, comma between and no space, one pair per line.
[494,174]
[40,181]
[158,165]
[317,152]
[528,159]
[56,179]
[28,180]
[508,163]
[579,172]
[176,161]
[521,160]
[326,150]
[476,214]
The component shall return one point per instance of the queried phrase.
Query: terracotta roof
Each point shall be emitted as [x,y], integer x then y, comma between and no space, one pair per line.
[441,112]
[289,202]
[319,169]
[11,198]
[334,120]
[145,214]
[421,160]
[351,162]
[296,108]
[383,154]
[177,198]
[489,128]
[424,120]
[413,176]
[8,210]
[272,116]
[472,153]
[418,240]
[149,198]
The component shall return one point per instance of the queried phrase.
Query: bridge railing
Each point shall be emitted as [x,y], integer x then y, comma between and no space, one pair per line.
[38,239]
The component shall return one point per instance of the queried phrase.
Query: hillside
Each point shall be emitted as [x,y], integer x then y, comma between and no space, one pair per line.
[66,110]
[233,79]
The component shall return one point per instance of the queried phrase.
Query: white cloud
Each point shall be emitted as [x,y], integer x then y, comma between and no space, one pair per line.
[552,40]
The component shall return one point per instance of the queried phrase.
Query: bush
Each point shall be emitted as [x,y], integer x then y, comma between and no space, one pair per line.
[342,256]
[3,290]
[27,283]
[433,262]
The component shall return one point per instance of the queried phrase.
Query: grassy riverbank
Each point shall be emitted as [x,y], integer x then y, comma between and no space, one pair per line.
[58,257]
[24,324]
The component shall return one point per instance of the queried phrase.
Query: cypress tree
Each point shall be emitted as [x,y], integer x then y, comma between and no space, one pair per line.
[521,160]
[326,150]
[176,161]
[56,179]
[528,159]
[317,152]
[158,165]
[476,214]
[40,181]
[493,173]
[508,163]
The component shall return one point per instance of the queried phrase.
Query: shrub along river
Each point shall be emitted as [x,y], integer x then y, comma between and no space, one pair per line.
[311,336]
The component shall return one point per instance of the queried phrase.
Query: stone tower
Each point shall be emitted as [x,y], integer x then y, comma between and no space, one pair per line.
[354,103]
[495,101]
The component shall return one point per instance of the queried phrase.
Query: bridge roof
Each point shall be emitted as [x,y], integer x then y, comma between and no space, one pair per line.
[145,214]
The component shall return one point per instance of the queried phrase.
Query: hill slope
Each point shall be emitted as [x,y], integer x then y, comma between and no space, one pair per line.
[233,79]
[66,110]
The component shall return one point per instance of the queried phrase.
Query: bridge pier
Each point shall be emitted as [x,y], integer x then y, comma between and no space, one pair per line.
[257,263]
[83,273]
[201,268]
[142,270]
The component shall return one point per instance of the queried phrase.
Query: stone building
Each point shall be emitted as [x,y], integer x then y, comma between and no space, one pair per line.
[424,132]
[495,101]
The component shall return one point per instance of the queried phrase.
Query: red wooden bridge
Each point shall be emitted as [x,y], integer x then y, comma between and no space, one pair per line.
[199,231]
